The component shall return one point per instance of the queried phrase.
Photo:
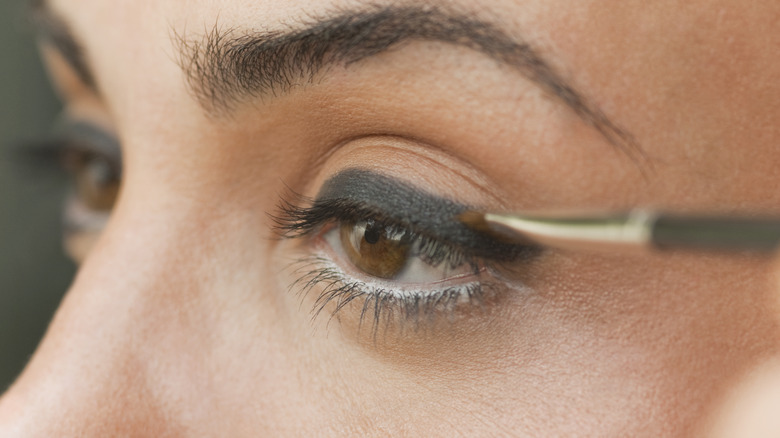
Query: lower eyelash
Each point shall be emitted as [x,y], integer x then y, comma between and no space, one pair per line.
[380,305]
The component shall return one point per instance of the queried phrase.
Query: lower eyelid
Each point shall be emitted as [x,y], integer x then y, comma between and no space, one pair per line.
[399,290]
[80,218]
[373,302]
[327,278]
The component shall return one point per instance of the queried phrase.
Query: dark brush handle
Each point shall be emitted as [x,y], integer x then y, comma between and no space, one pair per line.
[713,233]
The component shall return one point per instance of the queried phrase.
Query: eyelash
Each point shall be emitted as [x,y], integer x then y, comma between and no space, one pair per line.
[381,304]
[43,154]
[51,154]
[93,182]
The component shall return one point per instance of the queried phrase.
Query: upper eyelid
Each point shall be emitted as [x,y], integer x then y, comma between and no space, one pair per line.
[358,193]
[90,137]
[297,221]
[68,135]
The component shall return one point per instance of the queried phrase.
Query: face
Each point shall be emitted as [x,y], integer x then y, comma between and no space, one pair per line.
[279,255]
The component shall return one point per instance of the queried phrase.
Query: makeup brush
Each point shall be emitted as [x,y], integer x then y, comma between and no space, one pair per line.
[632,230]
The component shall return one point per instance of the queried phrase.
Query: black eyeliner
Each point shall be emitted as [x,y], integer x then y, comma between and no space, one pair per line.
[359,194]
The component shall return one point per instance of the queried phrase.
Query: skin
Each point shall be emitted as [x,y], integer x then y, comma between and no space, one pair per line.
[180,321]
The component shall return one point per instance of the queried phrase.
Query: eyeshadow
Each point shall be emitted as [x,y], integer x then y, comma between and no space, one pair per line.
[360,192]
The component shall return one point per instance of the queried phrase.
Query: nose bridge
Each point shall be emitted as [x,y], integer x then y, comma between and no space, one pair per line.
[121,329]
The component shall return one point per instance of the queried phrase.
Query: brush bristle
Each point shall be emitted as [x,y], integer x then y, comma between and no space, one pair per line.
[474,220]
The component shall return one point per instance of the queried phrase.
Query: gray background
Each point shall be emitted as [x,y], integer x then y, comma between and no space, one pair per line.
[33,271]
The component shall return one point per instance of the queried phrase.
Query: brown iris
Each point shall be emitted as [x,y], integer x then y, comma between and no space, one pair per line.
[375,248]
[96,179]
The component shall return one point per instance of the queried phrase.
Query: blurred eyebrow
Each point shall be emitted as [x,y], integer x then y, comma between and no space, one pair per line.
[225,67]
[53,30]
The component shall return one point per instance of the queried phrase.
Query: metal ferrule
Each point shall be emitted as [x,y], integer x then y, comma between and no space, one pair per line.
[619,232]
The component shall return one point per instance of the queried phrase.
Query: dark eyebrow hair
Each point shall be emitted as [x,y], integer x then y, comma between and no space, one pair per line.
[223,67]
[53,30]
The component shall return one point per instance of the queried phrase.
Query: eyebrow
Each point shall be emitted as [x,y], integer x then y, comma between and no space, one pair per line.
[53,30]
[224,67]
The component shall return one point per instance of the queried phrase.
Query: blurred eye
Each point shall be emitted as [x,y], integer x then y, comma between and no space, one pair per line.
[92,159]
[95,178]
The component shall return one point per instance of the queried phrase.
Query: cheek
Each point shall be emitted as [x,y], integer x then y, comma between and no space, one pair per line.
[751,408]
[186,300]
[681,326]
[79,245]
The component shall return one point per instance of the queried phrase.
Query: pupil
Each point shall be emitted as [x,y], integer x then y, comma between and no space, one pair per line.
[100,172]
[373,233]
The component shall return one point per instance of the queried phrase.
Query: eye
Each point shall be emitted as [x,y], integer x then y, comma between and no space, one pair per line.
[397,255]
[92,159]
[95,178]
[391,252]
[391,273]
[374,248]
